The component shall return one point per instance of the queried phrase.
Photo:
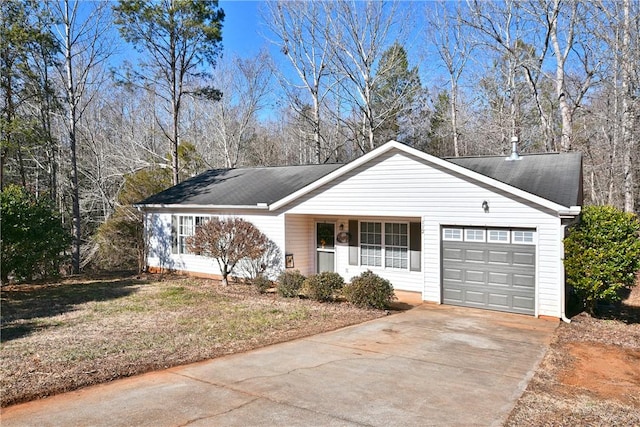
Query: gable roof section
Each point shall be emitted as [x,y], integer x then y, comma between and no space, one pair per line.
[540,199]
[241,188]
[553,176]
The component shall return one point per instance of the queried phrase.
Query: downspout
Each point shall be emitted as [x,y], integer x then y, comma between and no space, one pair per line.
[563,294]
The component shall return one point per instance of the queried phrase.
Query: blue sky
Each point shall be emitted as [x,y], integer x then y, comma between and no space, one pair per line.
[241,31]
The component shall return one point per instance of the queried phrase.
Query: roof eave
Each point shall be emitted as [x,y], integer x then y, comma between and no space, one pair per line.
[259,206]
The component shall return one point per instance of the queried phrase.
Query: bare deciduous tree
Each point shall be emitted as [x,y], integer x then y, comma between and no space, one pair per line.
[230,124]
[454,48]
[84,48]
[361,34]
[302,32]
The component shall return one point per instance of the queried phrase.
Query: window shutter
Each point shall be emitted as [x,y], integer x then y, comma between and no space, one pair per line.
[353,242]
[415,246]
[174,234]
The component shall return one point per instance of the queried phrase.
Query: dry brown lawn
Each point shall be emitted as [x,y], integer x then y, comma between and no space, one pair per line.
[591,374]
[63,336]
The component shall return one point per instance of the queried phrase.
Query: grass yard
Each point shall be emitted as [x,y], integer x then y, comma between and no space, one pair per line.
[590,375]
[63,336]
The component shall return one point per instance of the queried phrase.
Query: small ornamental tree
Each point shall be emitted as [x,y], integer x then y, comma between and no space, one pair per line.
[228,241]
[602,254]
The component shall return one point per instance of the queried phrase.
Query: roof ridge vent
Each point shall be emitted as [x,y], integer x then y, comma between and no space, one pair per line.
[514,149]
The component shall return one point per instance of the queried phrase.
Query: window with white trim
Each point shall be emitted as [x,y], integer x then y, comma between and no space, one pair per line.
[392,245]
[452,234]
[473,235]
[183,227]
[522,236]
[498,236]
[396,245]
[371,244]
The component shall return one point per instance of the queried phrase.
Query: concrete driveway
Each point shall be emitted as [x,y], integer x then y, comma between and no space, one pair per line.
[432,365]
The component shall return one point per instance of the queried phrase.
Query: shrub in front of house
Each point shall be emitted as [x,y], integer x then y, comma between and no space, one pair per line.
[369,290]
[289,283]
[322,286]
[262,283]
[602,254]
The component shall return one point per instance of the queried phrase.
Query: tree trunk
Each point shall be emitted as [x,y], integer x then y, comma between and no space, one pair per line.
[225,280]
[454,117]
[71,117]
[627,111]
[566,115]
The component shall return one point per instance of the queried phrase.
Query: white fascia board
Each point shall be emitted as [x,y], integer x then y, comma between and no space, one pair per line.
[432,159]
[203,207]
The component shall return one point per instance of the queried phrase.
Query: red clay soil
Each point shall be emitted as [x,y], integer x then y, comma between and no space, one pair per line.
[605,371]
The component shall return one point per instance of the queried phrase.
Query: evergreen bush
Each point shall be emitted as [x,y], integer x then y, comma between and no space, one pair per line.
[289,283]
[369,290]
[602,254]
[262,283]
[322,286]
[33,238]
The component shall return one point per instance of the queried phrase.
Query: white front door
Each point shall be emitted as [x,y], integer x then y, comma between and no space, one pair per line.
[325,246]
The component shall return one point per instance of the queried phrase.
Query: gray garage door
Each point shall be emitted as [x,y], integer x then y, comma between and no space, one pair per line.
[495,274]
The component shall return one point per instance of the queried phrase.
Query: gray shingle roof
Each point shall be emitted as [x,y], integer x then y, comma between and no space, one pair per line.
[552,176]
[241,187]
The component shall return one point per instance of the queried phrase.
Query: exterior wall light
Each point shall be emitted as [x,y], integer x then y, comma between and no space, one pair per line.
[485,206]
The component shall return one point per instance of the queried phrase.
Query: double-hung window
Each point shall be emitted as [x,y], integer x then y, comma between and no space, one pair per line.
[183,227]
[371,244]
[392,245]
[396,245]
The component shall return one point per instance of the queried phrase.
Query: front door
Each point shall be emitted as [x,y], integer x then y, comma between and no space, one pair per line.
[325,246]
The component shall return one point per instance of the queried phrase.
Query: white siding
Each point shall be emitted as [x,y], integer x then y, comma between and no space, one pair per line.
[271,224]
[299,237]
[399,185]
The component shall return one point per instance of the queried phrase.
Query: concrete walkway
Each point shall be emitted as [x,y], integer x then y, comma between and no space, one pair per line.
[432,365]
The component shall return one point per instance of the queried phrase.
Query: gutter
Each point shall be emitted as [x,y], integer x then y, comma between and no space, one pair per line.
[572,212]
[258,206]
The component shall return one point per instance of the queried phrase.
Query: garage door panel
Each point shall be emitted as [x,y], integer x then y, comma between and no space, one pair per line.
[452,254]
[454,296]
[452,274]
[499,257]
[498,300]
[474,255]
[524,258]
[524,303]
[521,281]
[498,279]
[496,276]
[475,297]
[473,276]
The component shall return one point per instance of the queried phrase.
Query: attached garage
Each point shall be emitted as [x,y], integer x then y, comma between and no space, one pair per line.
[491,268]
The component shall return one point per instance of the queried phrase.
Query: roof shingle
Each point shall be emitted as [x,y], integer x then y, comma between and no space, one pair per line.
[241,187]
